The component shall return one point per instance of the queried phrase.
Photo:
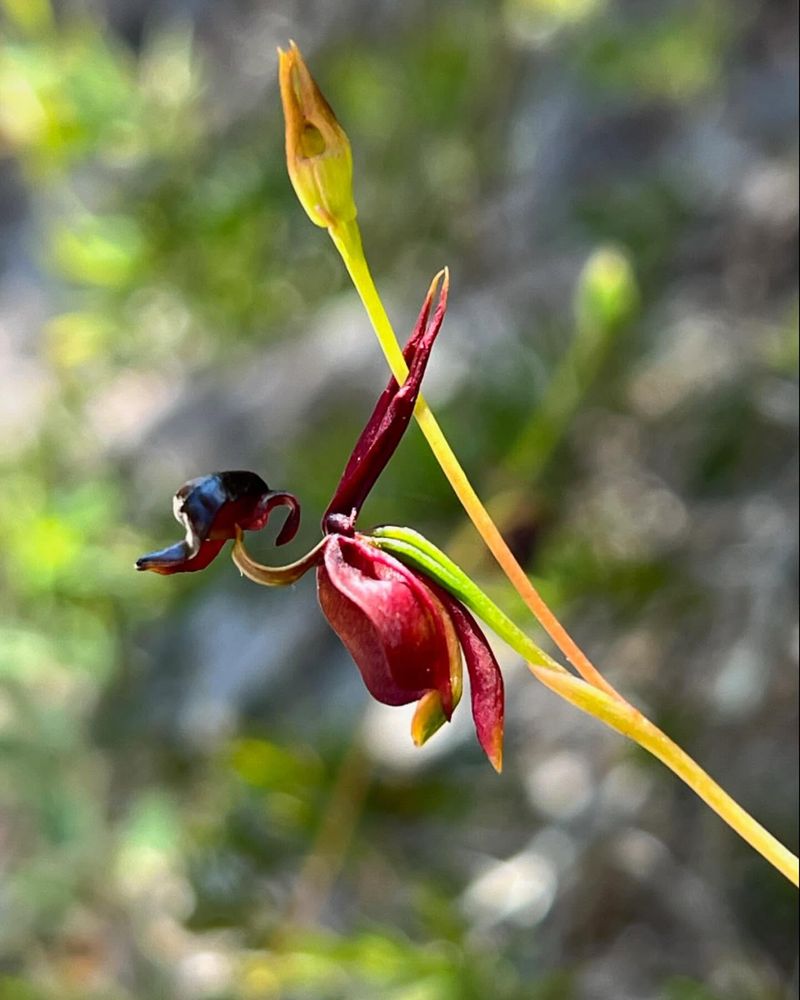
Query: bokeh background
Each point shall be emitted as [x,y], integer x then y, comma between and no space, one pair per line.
[197,800]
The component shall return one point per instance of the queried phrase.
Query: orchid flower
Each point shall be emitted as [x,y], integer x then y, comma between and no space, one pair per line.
[400,606]
[406,632]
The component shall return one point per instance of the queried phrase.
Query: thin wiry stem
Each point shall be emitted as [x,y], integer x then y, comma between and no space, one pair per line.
[631,723]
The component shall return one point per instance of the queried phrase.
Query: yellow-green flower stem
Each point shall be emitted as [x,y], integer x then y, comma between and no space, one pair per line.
[413,548]
[347,239]
[631,723]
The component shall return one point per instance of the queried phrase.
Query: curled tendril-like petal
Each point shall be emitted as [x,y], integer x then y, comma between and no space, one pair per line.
[292,522]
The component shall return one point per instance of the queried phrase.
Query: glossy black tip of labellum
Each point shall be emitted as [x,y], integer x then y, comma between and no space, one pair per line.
[178,558]
[162,560]
[214,505]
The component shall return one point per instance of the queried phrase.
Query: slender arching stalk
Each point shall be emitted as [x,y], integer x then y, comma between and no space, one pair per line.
[411,547]
[631,723]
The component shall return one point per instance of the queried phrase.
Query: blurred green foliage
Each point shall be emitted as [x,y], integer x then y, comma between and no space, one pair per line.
[169,253]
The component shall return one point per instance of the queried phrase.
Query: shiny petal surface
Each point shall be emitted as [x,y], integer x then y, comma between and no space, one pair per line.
[178,558]
[390,622]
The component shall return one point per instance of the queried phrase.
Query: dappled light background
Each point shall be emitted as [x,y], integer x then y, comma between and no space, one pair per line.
[197,799]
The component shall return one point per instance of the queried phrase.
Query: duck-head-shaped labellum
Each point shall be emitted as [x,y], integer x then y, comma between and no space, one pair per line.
[210,508]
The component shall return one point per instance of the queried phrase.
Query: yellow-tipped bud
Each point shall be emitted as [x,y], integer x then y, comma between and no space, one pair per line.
[317,149]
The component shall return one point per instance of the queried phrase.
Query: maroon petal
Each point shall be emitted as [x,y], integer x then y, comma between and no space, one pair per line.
[394,628]
[391,415]
[486,680]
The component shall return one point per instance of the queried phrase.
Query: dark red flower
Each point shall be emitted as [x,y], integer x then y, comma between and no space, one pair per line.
[406,635]
[405,632]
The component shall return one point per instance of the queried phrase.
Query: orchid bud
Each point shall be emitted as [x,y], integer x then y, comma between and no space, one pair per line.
[607,296]
[318,152]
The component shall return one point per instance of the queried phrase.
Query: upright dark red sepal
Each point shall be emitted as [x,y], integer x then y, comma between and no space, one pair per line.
[391,415]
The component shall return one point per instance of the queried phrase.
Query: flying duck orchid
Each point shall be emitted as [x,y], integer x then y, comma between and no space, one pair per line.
[406,631]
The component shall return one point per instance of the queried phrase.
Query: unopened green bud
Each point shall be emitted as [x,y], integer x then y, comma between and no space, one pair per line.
[607,296]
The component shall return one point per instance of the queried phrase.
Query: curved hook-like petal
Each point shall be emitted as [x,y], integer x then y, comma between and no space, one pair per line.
[290,525]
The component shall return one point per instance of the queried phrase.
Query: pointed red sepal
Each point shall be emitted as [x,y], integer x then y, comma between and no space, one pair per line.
[395,629]
[486,680]
[391,415]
